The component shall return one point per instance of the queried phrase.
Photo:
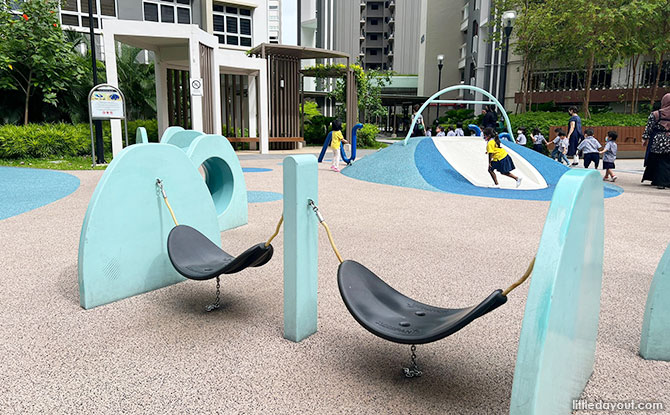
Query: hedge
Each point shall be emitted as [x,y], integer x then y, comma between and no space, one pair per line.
[544,120]
[49,140]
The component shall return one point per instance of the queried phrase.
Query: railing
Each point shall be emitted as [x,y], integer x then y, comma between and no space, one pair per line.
[433,99]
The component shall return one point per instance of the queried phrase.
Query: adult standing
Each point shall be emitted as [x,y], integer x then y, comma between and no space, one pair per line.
[419,126]
[490,119]
[656,137]
[575,135]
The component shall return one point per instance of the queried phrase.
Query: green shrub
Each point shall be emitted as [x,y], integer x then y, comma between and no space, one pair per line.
[317,128]
[366,136]
[545,120]
[55,140]
[457,115]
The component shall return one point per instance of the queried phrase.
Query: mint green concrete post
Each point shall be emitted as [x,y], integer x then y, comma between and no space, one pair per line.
[655,342]
[560,324]
[300,247]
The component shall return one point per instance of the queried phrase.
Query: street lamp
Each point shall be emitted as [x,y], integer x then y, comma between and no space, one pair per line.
[508,22]
[440,64]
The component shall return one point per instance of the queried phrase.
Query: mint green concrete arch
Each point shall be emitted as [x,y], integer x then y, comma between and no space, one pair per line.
[123,243]
[655,340]
[141,136]
[181,139]
[224,178]
[434,97]
[169,132]
[560,324]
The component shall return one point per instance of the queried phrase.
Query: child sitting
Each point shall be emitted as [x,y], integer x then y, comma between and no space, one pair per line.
[335,142]
[590,146]
[609,155]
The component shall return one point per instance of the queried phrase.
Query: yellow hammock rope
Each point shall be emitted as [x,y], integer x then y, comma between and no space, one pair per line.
[522,279]
[339,257]
[159,183]
[281,220]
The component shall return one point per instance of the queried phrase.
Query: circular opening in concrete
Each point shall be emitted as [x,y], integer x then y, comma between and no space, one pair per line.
[220,182]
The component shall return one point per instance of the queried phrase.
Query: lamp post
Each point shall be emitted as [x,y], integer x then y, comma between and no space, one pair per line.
[440,64]
[99,145]
[508,22]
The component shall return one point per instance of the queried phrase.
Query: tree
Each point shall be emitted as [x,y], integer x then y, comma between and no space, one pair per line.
[34,55]
[369,88]
[137,81]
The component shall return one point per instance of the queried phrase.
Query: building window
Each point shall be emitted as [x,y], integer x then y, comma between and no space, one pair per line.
[373,37]
[75,12]
[374,6]
[374,22]
[373,51]
[167,11]
[232,25]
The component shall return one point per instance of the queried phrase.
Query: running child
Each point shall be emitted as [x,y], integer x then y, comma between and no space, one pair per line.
[521,137]
[498,157]
[336,139]
[609,155]
[590,147]
[563,145]
[458,132]
[538,141]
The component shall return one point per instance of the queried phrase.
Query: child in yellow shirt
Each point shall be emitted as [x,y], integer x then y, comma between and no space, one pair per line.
[336,139]
[498,157]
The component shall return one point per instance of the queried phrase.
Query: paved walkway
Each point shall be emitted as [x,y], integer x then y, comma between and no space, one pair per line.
[161,353]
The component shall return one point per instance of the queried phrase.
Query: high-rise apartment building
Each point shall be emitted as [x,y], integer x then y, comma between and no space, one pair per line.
[274,21]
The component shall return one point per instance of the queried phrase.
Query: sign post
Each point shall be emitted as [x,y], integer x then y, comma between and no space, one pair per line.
[106,102]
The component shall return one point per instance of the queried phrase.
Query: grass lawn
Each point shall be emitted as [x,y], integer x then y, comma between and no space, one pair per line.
[53,163]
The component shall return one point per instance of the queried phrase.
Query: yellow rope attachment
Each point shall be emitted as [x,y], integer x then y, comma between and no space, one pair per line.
[332,243]
[522,279]
[159,183]
[171,211]
[281,220]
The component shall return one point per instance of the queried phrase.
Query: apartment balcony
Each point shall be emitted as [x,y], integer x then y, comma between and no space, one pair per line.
[464,18]
[362,36]
[392,5]
[390,54]
[362,4]
[391,37]
[475,43]
[391,21]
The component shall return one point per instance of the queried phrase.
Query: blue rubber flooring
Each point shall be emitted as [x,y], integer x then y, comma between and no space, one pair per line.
[254,169]
[420,165]
[255,196]
[23,189]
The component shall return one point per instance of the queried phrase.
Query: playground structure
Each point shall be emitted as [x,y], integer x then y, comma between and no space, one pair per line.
[559,302]
[326,144]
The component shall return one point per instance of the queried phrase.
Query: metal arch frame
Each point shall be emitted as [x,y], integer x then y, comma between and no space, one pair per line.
[462,101]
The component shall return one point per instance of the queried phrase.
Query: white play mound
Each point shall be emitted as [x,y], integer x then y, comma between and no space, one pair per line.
[467,155]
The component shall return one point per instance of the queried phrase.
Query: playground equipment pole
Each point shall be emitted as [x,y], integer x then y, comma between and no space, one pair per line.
[98,124]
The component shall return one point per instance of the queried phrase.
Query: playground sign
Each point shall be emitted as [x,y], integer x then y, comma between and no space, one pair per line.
[106,102]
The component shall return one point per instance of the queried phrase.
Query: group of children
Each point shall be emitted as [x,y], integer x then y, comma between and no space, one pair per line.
[451,131]
[589,146]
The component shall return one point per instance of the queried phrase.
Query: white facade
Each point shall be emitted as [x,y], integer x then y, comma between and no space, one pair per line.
[274,21]
[230,28]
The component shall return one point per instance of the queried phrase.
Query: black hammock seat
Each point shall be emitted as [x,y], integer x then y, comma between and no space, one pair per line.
[393,316]
[196,257]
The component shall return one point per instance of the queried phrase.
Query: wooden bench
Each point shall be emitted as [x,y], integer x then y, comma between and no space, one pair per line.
[276,143]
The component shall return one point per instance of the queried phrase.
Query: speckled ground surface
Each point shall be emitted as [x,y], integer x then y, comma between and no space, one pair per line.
[161,353]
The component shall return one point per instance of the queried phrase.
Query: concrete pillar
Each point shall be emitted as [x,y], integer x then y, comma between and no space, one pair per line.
[216,93]
[300,247]
[253,105]
[162,116]
[263,110]
[113,79]
[194,73]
